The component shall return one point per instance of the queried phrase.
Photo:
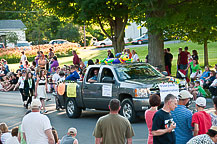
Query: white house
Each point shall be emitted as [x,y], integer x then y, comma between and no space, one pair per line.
[134,31]
[8,26]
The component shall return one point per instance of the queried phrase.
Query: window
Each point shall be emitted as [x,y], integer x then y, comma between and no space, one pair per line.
[106,73]
[129,72]
[91,73]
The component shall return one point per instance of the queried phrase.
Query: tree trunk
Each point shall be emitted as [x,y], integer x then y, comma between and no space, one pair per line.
[118,44]
[118,39]
[156,50]
[206,62]
[117,28]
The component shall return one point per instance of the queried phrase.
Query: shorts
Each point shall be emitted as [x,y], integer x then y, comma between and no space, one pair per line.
[194,74]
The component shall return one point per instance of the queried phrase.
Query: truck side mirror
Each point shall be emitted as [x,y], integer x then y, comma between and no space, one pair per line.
[108,80]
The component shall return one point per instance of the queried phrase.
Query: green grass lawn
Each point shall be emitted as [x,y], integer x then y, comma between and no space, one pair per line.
[143,51]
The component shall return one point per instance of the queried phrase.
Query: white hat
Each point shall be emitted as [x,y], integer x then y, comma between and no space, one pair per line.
[184,94]
[214,128]
[201,101]
[72,130]
[35,103]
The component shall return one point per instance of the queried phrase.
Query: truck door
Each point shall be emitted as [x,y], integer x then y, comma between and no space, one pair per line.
[90,90]
[108,89]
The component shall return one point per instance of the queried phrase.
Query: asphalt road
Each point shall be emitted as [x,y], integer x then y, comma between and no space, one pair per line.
[12,111]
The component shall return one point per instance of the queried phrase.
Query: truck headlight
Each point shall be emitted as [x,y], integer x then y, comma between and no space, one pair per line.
[142,92]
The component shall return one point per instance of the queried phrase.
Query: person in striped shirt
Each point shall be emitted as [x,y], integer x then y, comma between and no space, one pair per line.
[182,117]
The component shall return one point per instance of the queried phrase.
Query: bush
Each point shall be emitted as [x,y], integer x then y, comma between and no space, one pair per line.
[13,55]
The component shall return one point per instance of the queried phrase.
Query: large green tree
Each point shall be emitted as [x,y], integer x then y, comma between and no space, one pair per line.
[106,13]
[195,19]
[41,26]
[197,23]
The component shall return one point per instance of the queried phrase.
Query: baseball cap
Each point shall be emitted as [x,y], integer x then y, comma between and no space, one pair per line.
[214,128]
[201,101]
[184,94]
[72,130]
[35,103]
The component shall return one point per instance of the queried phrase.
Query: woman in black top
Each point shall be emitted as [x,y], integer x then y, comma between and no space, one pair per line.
[29,87]
[195,54]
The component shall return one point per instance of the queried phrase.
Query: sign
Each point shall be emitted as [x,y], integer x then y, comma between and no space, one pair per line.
[107,90]
[168,88]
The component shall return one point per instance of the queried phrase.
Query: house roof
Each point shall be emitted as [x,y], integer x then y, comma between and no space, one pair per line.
[12,24]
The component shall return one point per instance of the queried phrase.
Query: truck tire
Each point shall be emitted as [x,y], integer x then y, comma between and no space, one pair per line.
[72,109]
[127,110]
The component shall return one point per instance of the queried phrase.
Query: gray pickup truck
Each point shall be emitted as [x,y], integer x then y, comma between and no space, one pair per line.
[132,84]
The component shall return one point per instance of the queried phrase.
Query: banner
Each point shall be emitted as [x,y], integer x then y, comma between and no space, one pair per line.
[168,88]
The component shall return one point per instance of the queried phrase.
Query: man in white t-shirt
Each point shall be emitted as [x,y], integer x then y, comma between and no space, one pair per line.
[36,127]
[23,57]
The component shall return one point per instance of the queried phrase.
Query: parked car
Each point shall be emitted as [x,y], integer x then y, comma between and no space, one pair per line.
[144,39]
[23,44]
[58,41]
[132,84]
[107,41]
[141,40]
[2,45]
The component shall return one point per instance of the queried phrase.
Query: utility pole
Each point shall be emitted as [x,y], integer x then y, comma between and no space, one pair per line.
[84,37]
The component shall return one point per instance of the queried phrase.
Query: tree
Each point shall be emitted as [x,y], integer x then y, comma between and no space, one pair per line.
[12,37]
[195,19]
[96,32]
[112,13]
[198,24]
[69,32]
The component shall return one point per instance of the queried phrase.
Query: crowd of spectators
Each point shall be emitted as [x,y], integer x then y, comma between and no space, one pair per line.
[43,75]
[35,129]
[176,124]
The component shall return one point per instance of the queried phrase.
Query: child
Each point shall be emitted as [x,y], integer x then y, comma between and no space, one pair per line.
[21,66]
[70,137]
[191,86]
[201,121]
[208,81]
[53,71]
[198,91]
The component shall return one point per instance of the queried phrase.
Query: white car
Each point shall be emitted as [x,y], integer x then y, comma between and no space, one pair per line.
[107,41]
[58,41]
[25,44]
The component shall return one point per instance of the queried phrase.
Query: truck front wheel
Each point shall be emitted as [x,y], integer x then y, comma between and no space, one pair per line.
[127,110]
[72,109]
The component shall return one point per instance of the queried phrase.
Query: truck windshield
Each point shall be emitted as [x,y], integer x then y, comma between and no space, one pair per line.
[137,72]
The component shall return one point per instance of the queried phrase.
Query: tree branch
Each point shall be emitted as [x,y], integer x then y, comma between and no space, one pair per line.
[100,23]
[123,27]
[178,4]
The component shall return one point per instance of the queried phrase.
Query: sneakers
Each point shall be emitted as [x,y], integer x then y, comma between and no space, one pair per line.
[54,93]
[43,112]
[48,99]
